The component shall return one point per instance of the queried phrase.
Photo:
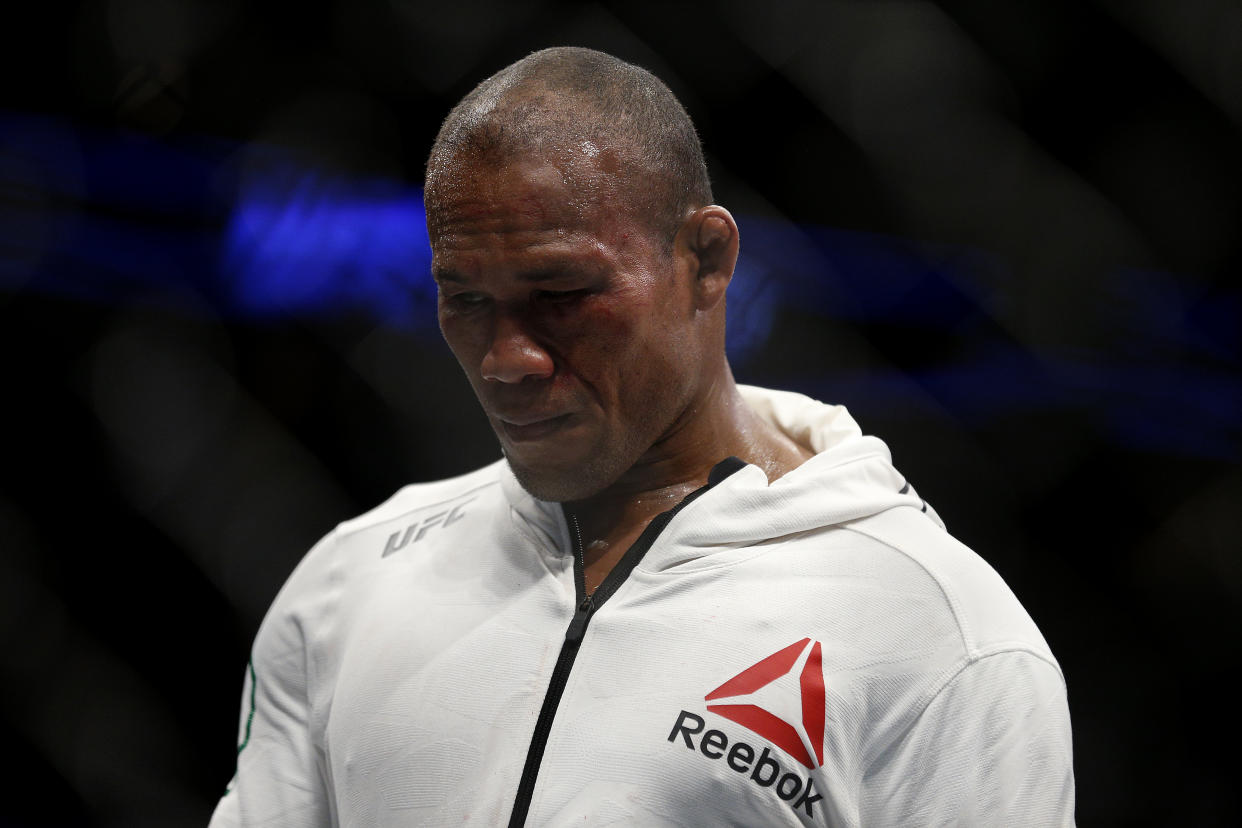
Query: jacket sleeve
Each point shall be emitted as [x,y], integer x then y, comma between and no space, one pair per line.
[992,748]
[280,778]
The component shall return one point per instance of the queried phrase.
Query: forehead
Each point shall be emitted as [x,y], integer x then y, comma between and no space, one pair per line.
[532,206]
[523,193]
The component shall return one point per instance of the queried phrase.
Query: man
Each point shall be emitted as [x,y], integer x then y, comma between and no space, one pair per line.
[675,601]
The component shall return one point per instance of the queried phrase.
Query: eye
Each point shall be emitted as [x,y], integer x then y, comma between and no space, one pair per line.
[560,297]
[465,300]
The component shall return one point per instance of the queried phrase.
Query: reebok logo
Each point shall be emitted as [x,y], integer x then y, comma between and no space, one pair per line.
[780,699]
[414,532]
[766,771]
[767,699]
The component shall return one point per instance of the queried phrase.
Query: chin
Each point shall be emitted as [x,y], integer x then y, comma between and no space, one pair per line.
[560,484]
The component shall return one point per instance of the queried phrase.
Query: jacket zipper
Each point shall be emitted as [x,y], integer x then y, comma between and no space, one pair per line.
[582,616]
[560,677]
[587,605]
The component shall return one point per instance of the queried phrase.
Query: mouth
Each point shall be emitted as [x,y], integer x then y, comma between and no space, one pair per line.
[529,429]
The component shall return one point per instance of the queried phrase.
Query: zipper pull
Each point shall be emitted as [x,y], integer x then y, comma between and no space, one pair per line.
[577,627]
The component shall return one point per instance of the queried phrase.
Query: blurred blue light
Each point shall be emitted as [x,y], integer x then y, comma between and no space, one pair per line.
[749,309]
[303,243]
[119,218]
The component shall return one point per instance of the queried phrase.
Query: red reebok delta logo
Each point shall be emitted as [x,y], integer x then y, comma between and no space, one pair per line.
[767,699]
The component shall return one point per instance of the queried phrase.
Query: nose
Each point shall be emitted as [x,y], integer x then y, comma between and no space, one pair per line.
[514,355]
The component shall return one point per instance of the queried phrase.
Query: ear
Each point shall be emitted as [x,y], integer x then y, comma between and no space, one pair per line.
[708,243]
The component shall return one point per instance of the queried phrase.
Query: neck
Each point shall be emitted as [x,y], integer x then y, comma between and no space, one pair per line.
[717,424]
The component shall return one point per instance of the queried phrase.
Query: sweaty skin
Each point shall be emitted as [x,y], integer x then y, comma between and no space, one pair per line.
[596,352]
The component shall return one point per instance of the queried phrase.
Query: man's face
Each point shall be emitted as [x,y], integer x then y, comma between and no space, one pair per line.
[572,321]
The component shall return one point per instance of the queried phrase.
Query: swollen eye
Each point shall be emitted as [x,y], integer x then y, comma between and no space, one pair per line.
[467,299]
[560,296]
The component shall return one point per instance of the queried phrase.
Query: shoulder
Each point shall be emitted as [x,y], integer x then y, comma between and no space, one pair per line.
[423,502]
[980,732]
[355,550]
[975,601]
[956,659]
[407,507]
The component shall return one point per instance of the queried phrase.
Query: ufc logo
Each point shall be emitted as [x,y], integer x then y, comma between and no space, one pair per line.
[414,532]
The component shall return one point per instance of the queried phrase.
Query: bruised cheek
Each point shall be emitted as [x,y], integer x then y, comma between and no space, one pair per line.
[604,325]
[601,337]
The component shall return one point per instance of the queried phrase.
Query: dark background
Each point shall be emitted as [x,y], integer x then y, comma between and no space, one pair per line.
[1002,233]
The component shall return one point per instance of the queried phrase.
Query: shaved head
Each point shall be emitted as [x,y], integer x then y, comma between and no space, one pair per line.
[587,113]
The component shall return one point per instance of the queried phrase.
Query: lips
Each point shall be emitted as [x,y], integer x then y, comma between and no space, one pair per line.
[526,428]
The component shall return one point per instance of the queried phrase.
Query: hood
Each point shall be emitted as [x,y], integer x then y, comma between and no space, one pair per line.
[850,477]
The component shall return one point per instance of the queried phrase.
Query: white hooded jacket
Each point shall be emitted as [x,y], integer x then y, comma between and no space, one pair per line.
[817,651]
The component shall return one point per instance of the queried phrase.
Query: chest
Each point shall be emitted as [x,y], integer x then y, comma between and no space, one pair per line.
[435,707]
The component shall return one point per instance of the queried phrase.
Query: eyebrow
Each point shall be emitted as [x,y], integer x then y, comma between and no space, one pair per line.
[446,276]
[545,274]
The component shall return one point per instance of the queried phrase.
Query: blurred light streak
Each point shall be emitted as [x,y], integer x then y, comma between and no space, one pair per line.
[1202,39]
[1160,409]
[1156,316]
[934,114]
[40,171]
[849,275]
[202,460]
[106,217]
[301,242]
[1166,408]
[165,30]
[441,43]
[750,309]
[112,737]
